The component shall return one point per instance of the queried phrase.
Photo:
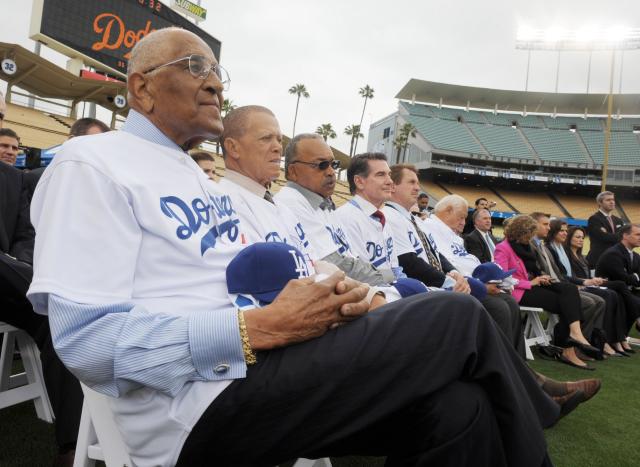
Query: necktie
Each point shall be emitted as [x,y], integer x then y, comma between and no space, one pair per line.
[613,227]
[380,216]
[492,247]
[327,205]
[268,196]
[431,255]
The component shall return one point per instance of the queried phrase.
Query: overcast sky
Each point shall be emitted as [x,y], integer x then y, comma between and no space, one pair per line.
[336,47]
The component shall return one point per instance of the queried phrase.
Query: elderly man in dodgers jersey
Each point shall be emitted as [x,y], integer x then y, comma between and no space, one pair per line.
[308,192]
[130,267]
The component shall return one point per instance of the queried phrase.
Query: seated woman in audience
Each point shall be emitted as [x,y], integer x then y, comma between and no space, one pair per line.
[535,289]
[615,325]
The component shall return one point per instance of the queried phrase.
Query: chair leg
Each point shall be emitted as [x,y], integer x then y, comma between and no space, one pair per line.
[86,437]
[33,368]
[6,359]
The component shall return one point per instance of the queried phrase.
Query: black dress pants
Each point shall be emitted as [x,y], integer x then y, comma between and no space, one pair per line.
[63,388]
[614,316]
[428,380]
[559,298]
[505,311]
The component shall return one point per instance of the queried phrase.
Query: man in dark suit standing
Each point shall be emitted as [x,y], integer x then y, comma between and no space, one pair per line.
[480,242]
[602,227]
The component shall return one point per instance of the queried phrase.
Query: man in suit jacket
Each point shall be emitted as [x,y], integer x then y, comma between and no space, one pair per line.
[602,227]
[480,242]
[620,262]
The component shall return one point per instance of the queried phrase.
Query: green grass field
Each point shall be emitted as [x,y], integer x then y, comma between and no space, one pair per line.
[599,433]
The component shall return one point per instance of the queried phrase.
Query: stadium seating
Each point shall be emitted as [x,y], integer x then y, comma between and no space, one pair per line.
[418,110]
[631,209]
[453,129]
[556,145]
[578,206]
[624,147]
[625,124]
[564,123]
[501,140]
[434,190]
[446,134]
[472,193]
[529,202]
[36,128]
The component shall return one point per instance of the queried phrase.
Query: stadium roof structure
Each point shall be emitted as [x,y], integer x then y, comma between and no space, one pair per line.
[43,78]
[517,101]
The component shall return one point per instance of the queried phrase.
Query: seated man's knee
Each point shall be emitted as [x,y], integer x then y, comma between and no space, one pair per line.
[458,411]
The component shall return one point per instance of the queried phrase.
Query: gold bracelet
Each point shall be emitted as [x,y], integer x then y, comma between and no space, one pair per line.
[249,355]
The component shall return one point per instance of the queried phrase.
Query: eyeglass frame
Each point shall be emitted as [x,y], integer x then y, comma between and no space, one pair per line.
[225,84]
[334,164]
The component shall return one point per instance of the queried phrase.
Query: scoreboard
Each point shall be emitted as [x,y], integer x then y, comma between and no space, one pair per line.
[103,32]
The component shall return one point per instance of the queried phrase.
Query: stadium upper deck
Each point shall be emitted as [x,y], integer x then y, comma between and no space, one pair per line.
[495,130]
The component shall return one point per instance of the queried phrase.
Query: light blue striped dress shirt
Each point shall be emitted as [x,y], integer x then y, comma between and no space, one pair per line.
[119,347]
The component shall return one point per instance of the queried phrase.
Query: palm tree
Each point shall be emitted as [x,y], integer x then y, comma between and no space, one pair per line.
[301,91]
[367,93]
[354,132]
[227,106]
[326,131]
[407,131]
[399,143]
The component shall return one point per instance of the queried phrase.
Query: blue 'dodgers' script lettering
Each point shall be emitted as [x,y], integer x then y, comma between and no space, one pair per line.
[192,216]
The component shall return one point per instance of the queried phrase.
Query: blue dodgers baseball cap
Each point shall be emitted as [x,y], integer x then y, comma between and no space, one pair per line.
[478,289]
[491,272]
[263,269]
[407,287]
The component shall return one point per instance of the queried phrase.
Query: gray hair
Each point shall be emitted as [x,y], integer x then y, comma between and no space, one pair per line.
[291,151]
[146,52]
[451,202]
[601,196]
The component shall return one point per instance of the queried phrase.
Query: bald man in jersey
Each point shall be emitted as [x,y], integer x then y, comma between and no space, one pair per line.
[139,311]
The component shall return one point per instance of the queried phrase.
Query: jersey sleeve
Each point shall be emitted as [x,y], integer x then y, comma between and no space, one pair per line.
[88,238]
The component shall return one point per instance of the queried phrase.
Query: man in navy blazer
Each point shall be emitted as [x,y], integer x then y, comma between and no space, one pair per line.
[620,262]
[602,227]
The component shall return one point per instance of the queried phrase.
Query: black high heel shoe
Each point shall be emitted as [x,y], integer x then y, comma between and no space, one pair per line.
[587,349]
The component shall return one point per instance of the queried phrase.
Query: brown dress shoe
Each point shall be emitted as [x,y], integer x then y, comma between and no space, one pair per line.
[569,401]
[589,387]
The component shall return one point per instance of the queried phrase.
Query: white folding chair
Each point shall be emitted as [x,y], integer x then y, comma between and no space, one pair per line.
[534,332]
[25,386]
[100,439]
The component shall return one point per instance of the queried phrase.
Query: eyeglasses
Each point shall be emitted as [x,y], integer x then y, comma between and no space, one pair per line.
[199,67]
[324,165]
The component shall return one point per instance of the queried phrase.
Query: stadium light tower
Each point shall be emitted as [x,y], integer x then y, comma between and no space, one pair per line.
[586,39]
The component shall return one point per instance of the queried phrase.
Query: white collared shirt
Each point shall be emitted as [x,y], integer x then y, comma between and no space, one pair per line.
[369,240]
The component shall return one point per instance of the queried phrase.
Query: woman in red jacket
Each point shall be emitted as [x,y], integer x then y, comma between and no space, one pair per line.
[538,290]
